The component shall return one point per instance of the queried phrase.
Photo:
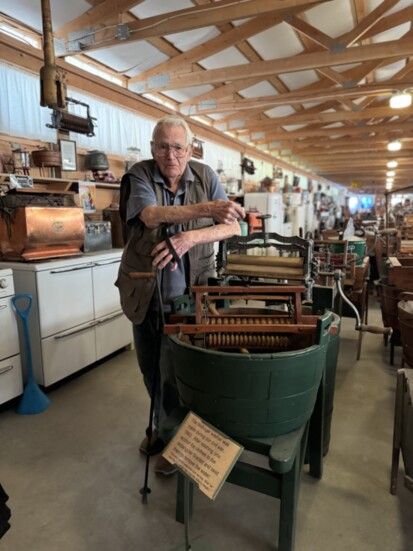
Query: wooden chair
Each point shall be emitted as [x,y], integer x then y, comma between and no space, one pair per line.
[403,430]
[331,234]
[389,298]
[286,456]
[357,292]
[361,301]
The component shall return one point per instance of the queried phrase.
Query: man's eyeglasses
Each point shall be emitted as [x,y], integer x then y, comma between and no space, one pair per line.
[162,149]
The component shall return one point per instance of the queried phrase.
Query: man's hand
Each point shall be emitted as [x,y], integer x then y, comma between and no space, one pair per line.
[226,212]
[181,242]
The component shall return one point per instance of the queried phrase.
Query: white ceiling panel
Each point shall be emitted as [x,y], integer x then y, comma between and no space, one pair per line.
[389,71]
[261,89]
[332,18]
[292,127]
[128,59]
[282,111]
[334,125]
[401,5]
[151,8]
[275,43]
[393,34]
[185,94]
[239,22]
[293,81]
[311,104]
[345,67]
[29,11]
[217,116]
[189,39]
[227,58]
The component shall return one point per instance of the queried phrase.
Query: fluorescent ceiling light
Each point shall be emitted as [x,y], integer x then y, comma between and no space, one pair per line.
[159,100]
[19,35]
[396,145]
[392,164]
[204,121]
[389,186]
[90,68]
[390,173]
[401,100]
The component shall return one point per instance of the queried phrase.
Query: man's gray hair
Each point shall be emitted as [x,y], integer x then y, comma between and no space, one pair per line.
[173,120]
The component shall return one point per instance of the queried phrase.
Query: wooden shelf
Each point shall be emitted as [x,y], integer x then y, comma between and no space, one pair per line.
[60,184]
[48,184]
[107,185]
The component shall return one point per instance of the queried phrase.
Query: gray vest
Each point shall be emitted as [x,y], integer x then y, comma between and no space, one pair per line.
[136,294]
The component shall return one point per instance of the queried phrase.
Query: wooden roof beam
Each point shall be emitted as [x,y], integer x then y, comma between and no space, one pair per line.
[302,62]
[329,118]
[198,17]
[397,129]
[367,23]
[379,89]
[315,35]
[98,15]
[217,44]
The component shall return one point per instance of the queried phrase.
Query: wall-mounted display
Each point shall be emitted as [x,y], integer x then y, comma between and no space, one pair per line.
[68,153]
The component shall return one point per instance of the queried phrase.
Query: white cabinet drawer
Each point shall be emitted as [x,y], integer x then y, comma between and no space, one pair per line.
[112,333]
[65,298]
[9,339]
[106,295]
[11,379]
[67,352]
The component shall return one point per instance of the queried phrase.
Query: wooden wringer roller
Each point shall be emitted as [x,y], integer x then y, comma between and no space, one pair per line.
[270,257]
[274,282]
[244,328]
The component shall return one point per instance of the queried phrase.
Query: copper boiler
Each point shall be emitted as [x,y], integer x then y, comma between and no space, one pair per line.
[40,232]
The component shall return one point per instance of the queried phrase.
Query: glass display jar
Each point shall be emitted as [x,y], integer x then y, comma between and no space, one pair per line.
[133,155]
[21,161]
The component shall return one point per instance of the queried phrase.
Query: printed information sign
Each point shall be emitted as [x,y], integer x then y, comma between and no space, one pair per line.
[203,453]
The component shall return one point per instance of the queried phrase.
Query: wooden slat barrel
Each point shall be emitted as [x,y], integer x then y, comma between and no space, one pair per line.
[405,313]
[251,395]
[43,157]
[389,297]
[330,382]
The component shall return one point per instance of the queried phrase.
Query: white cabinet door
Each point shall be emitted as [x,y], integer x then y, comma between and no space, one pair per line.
[67,352]
[65,298]
[112,333]
[11,379]
[106,295]
[9,340]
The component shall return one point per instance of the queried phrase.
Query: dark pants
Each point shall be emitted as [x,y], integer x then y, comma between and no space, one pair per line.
[166,398]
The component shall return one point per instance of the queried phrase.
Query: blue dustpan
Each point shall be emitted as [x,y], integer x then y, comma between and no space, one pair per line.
[34,400]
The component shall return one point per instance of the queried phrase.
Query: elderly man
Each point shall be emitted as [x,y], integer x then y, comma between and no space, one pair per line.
[171,191]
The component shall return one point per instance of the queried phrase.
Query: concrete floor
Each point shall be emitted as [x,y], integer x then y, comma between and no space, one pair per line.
[74,472]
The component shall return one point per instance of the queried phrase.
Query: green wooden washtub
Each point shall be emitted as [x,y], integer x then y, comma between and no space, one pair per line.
[252,395]
[330,380]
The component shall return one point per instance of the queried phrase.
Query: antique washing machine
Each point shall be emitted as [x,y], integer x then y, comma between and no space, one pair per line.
[258,374]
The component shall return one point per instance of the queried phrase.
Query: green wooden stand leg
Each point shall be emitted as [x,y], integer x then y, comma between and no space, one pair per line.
[316,434]
[397,432]
[288,507]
